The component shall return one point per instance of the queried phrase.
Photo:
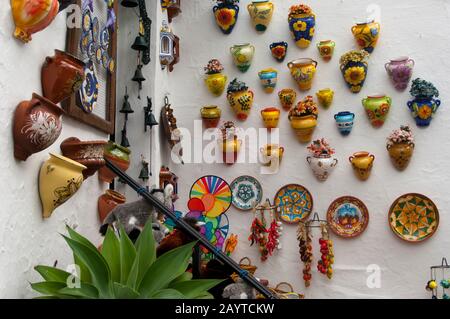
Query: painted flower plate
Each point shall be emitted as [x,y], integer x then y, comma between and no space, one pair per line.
[246,192]
[348,217]
[294,203]
[413,217]
[215,194]
[215,229]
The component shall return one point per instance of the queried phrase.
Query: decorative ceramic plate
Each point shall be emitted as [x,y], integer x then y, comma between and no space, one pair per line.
[413,217]
[246,192]
[87,21]
[348,217]
[294,203]
[215,194]
[95,28]
[104,38]
[89,89]
[215,229]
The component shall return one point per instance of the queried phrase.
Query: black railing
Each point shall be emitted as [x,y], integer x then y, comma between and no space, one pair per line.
[191,231]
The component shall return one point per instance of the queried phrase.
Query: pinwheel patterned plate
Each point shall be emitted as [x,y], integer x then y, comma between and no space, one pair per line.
[348,217]
[215,229]
[246,192]
[215,194]
[414,217]
[294,203]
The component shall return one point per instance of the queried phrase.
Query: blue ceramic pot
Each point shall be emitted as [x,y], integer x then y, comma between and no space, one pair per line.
[344,121]
[423,109]
[302,29]
[354,74]
[226,16]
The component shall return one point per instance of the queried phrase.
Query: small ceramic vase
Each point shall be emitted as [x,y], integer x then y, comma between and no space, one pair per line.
[288,98]
[401,154]
[268,78]
[325,97]
[241,102]
[226,16]
[271,117]
[119,156]
[304,127]
[362,163]
[279,50]
[271,153]
[400,71]
[303,71]
[423,109]
[87,153]
[243,56]
[261,12]
[59,179]
[302,26]
[216,83]
[366,35]
[322,166]
[37,125]
[326,49]
[211,115]
[61,76]
[377,108]
[344,121]
[354,71]
[108,201]
[230,149]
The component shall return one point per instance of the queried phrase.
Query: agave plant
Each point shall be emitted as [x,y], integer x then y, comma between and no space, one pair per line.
[123,270]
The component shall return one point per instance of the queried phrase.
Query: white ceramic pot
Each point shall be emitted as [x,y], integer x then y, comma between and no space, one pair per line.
[322,166]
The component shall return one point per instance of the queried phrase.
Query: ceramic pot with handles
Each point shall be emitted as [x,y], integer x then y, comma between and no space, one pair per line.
[362,163]
[216,83]
[302,27]
[241,102]
[243,56]
[366,34]
[261,12]
[271,117]
[325,97]
[400,154]
[271,152]
[279,50]
[108,201]
[377,107]
[344,121]
[226,16]
[287,98]
[322,166]
[269,79]
[304,127]
[303,71]
[423,109]
[400,71]
[118,155]
[211,115]
[326,49]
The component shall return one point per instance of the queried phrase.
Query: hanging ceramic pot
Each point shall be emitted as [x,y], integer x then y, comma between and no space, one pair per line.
[325,97]
[322,166]
[32,16]
[326,49]
[119,156]
[108,201]
[287,98]
[243,56]
[400,71]
[271,117]
[367,34]
[87,153]
[353,66]
[215,80]
[240,99]
[59,179]
[302,23]
[424,105]
[303,126]
[37,125]
[344,121]
[303,71]
[268,78]
[261,12]
[377,108]
[271,153]
[362,163]
[230,149]
[279,50]
[61,76]
[211,115]
[226,13]
[400,145]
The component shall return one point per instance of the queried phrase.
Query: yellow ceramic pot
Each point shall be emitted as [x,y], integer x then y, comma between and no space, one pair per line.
[241,102]
[211,115]
[362,163]
[287,98]
[401,154]
[303,71]
[304,127]
[271,117]
[271,152]
[59,179]
[326,49]
[216,83]
[325,97]
[230,149]
[261,12]
[367,34]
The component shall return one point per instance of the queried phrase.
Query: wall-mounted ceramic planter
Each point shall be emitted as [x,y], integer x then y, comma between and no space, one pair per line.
[216,83]
[243,56]
[261,12]
[279,50]
[118,155]
[304,127]
[272,153]
[362,163]
[400,71]
[230,150]
[302,25]
[269,79]
[303,71]
[108,201]
[287,98]
[322,166]
[271,117]
[367,35]
[377,108]
[325,97]
[211,115]
[226,16]
[344,121]
[326,49]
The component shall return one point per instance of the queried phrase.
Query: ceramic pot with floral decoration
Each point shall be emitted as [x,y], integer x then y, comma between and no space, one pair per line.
[261,12]
[87,153]
[108,201]
[400,71]
[240,99]
[229,143]
[325,97]
[321,160]
[279,50]
[367,34]
[271,117]
[287,98]
[362,163]
[215,80]
[377,108]
[353,66]
[243,56]
[271,153]
[226,13]
[424,105]
[326,49]
[37,125]
[269,79]
[302,22]
[119,156]
[211,115]
[303,119]
[303,71]
[400,145]
[344,121]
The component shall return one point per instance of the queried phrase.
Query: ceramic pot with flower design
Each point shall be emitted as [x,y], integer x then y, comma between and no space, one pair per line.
[37,125]
[400,145]
[279,50]
[271,153]
[302,22]
[211,115]
[243,56]
[424,105]
[226,14]
[271,117]
[321,161]
[303,71]
[261,12]
[326,49]
[344,121]
[269,79]
[325,97]
[303,119]
[377,108]
[400,71]
[354,67]
[119,156]
[240,99]
[362,163]
[287,98]
[366,34]
[215,81]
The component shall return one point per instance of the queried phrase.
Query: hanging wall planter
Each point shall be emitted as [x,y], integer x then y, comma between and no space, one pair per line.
[326,49]
[119,156]
[240,99]
[400,145]
[321,160]
[271,117]
[269,79]
[272,154]
[302,22]
[279,50]
[353,66]
[366,35]
[424,105]
[261,12]
[215,81]
[344,121]
[211,115]
[287,98]
[303,118]
[362,163]
[226,14]
[242,56]
[377,108]
[303,71]
[229,143]
[107,202]
[400,71]
[325,97]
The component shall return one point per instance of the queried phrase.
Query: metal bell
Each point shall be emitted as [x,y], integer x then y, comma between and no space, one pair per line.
[138,76]
[140,44]
[145,172]
[126,106]
[125,142]
[150,119]
[129,3]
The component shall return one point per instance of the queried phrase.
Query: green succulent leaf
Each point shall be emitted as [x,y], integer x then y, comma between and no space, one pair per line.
[51,289]
[79,238]
[195,288]
[111,253]
[183,277]
[146,251]
[127,256]
[205,295]
[85,275]
[52,274]
[167,294]
[124,292]
[86,291]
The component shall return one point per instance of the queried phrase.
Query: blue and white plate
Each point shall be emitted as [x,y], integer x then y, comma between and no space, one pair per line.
[246,192]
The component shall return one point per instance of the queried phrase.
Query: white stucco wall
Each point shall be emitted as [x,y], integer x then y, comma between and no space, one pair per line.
[414,28]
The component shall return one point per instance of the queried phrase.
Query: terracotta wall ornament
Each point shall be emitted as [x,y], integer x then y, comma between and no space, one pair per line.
[400,71]
[279,50]
[326,49]
[211,115]
[303,118]
[171,130]
[302,22]
[108,201]
[400,145]
[287,98]
[325,97]
[271,117]
[354,66]
[303,71]
[261,12]
[424,105]
[37,125]
[240,99]
[215,81]
[226,13]
[242,56]
[119,156]
[344,121]
[362,163]
[377,108]
[366,34]
[321,160]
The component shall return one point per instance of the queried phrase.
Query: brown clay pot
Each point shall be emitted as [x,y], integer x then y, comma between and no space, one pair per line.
[401,154]
[119,156]
[87,153]
[61,76]
[108,201]
[37,125]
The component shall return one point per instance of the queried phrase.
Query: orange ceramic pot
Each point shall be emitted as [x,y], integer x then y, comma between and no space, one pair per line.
[362,163]
[108,201]
[271,117]
[119,156]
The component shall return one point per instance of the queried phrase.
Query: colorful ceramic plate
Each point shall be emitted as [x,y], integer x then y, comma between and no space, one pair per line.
[87,21]
[95,29]
[294,203]
[89,88]
[85,41]
[246,192]
[348,217]
[215,229]
[215,194]
[413,217]
[104,38]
